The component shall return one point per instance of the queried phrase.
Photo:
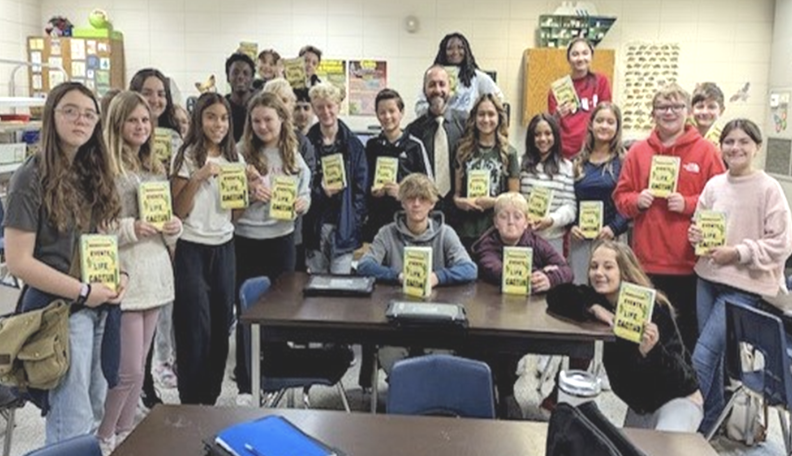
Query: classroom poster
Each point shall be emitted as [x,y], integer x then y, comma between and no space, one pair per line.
[366,79]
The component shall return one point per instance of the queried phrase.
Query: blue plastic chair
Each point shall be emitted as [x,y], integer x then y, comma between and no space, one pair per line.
[84,445]
[441,385]
[764,333]
[274,387]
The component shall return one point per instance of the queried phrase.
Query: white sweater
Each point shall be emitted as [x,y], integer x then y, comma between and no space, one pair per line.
[563,207]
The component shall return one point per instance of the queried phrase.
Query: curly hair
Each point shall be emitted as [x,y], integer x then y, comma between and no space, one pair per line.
[615,147]
[253,147]
[87,182]
[532,157]
[469,141]
[168,117]
[196,141]
[122,156]
[468,67]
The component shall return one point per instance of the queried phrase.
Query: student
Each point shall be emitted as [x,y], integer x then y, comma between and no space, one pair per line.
[591,88]
[268,67]
[654,378]
[454,51]
[104,103]
[265,246]
[543,165]
[63,191]
[661,224]
[313,57]
[333,224]
[749,266]
[204,263]
[303,113]
[239,72]
[708,105]
[597,169]
[383,203]
[416,226]
[143,253]
[549,269]
[485,146]
[182,120]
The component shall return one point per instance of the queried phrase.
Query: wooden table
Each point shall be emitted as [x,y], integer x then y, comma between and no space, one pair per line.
[498,322]
[171,430]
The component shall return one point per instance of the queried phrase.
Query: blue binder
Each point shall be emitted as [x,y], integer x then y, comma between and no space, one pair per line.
[271,436]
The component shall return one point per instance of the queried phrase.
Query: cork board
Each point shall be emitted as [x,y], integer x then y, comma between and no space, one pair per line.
[545,65]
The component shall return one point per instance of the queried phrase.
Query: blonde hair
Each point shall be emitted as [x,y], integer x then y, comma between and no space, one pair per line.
[418,185]
[122,158]
[674,92]
[511,199]
[326,91]
[280,87]
[629,268]
[252,146]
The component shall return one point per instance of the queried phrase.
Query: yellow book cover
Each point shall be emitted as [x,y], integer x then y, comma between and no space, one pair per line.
[714,133]
[333,172]
[249,48]
[517,268]
[564,92]
[453,79]
[233,186]
[294,72]
[478,183]
[663,175]
[633,309]
[154,201]
[713,230]
[386,172]
[590,218]
[284,194]
[417,271]
[99,259]
[539,202]
[163,144]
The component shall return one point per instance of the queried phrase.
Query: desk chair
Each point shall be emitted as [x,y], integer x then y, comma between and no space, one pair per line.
[772,378]
[84,445]
[441,385]
[311,366]
[9,403]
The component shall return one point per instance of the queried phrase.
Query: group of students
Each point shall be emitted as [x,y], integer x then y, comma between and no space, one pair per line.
[92,161]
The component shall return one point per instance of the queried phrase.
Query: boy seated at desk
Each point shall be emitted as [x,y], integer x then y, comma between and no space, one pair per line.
[416,226]
[549,270]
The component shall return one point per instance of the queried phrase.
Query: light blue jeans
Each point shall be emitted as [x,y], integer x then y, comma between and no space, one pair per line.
[711,301]
[326,260]
[77,404]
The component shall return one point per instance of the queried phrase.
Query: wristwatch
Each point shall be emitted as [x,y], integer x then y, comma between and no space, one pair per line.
[85,290]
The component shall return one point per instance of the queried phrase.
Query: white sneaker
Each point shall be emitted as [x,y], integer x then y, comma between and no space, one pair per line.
[244,400]
[107,445]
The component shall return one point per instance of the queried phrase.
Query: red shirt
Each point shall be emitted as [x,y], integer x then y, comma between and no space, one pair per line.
[591,90]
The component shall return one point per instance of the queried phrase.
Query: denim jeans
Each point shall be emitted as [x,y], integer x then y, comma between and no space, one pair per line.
[711,301]
[326,260]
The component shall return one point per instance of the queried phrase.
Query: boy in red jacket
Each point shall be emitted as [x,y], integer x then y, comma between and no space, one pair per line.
[660,224]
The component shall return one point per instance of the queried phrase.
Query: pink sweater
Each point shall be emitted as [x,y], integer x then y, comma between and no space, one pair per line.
[758,224]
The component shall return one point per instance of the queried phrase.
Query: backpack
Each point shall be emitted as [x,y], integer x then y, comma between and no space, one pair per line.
[34,347]
[746,422]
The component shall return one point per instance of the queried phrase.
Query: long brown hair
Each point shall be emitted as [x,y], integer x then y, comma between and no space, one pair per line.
[629,268]
[253,146]
[86,182]
[469,142]
[196,141]
[123,159]
[615,147]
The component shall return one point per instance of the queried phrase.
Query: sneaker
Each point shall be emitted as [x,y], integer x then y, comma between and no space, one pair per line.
[107,445]
[244,400]
[165,376]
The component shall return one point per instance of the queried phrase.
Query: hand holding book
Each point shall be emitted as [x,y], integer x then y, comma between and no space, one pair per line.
[651,334]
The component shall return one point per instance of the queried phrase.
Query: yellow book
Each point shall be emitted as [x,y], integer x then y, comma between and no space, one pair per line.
[478,183]
[517,268]
[453,79]
[233,186]
[663,175]
[564,92]
[284,194]
[539,202]
[333,172]
[154,202]
[294,72]
[248,48]
[633,309]
[163,144]
[417,271]
[99,260]
[714,133]
[386,172]
[713,230]
[590,218]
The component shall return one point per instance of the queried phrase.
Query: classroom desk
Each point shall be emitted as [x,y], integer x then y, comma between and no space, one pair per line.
[498,322]
[171,430]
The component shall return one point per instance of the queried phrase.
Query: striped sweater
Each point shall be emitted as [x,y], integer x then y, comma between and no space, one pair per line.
[563,207]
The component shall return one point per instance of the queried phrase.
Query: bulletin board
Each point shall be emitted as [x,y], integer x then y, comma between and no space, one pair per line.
[545,65]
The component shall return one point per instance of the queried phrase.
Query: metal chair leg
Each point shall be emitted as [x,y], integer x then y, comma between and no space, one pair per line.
[786,430]
[306,398]
[9,415]
[273,399]
[724,413]
[344,399]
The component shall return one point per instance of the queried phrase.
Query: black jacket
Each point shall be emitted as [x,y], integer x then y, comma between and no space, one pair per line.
[643,383]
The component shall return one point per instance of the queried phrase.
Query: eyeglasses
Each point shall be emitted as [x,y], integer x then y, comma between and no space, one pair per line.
[675,108]
[72,113]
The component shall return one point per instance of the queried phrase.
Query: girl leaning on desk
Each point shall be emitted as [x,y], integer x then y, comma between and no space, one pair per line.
[655,378]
